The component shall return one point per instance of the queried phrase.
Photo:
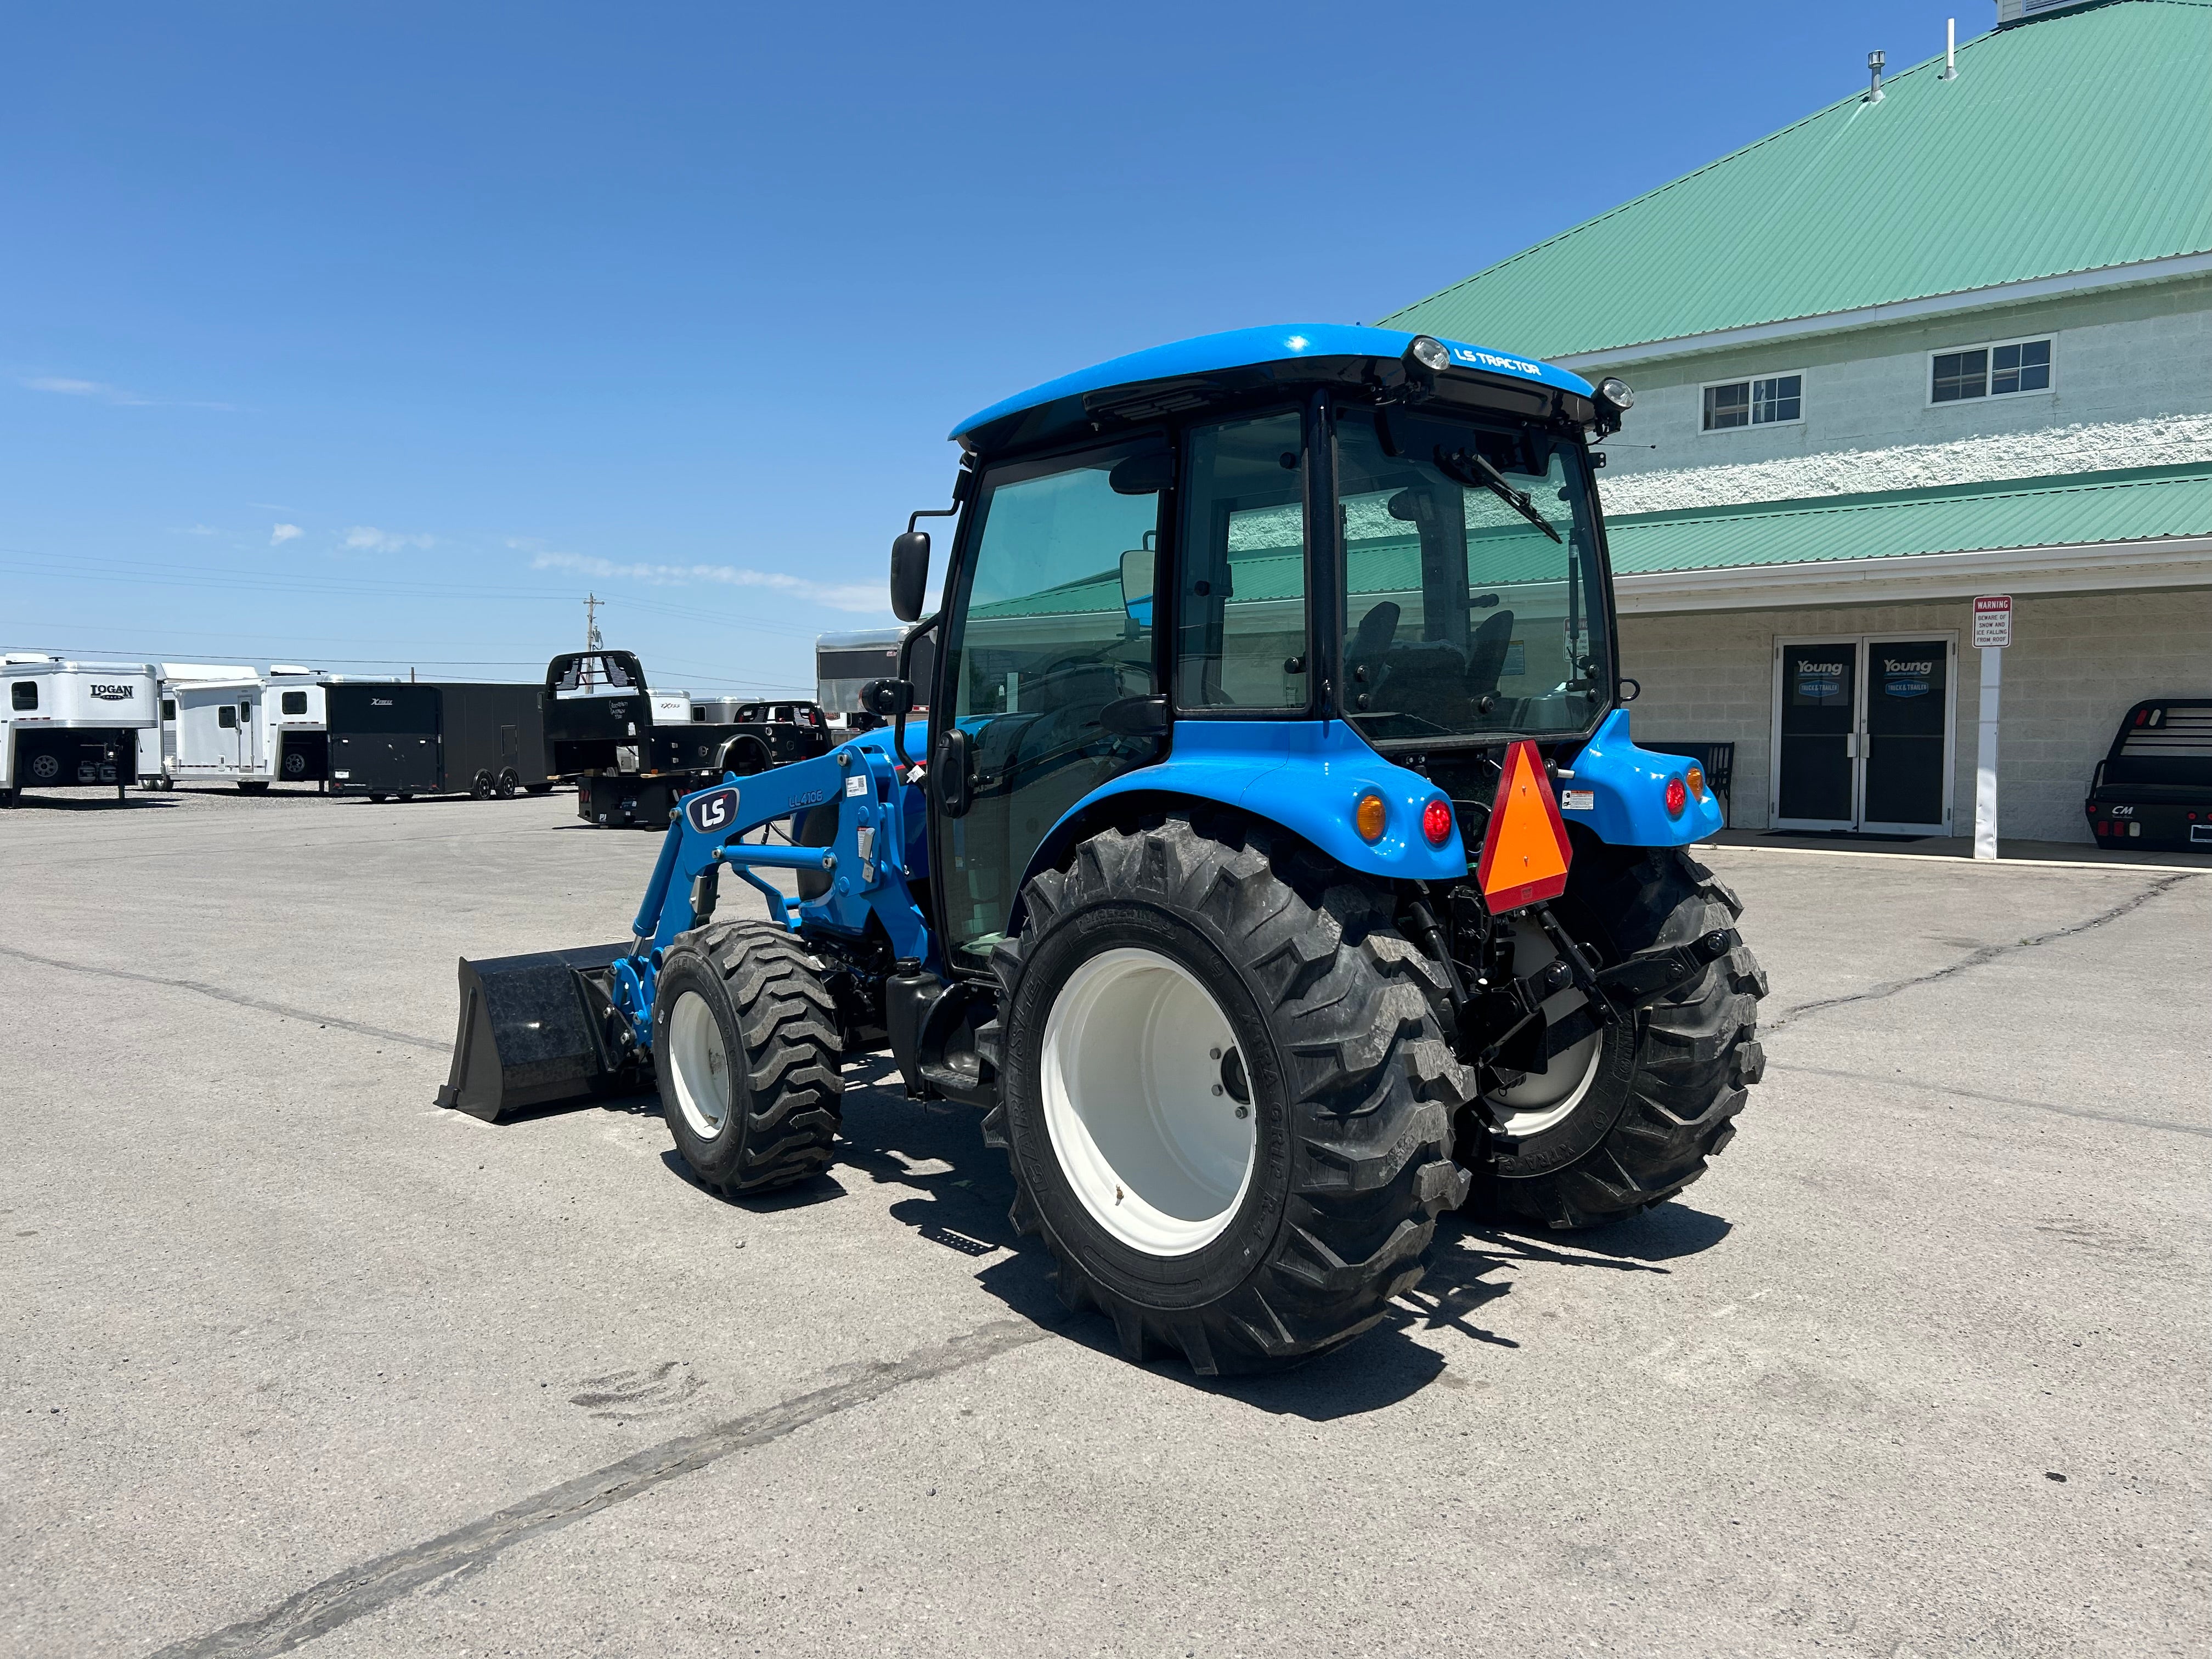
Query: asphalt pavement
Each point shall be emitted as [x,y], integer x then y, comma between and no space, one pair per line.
[291,1358]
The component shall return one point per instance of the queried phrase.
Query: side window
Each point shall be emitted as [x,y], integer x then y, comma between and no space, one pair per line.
[169,708]
[1241,638]
[295,702]
[23,694]
[226,717]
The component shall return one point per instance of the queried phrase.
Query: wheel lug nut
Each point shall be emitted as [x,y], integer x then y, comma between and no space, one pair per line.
[1214,1054]
[1244,1111]
[1216,1088]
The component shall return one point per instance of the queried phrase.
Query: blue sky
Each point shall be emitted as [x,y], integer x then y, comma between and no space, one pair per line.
[375,336]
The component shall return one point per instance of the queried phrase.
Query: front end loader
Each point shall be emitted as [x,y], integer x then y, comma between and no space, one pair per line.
[1275,870]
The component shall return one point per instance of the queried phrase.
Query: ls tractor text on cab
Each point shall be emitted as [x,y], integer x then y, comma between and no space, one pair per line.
[1275,871]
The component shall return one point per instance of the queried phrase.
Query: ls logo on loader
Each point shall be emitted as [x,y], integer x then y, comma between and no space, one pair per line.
[716,810]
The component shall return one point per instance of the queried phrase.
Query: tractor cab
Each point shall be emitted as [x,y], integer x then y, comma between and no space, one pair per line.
[1380,546]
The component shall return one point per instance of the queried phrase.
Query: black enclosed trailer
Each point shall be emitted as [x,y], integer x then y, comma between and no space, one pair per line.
[442,738]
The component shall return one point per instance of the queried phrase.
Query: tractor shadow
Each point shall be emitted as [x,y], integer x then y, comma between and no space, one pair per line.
[960,1192]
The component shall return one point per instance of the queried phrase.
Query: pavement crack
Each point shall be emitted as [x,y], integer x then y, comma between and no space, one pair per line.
[2129,1119]
[1987,953]
[258,1004]
[347,1594]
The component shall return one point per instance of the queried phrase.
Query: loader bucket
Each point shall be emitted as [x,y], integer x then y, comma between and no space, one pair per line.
[536,1031]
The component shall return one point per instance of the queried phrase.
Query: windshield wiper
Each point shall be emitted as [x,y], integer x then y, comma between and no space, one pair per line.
[1494,481]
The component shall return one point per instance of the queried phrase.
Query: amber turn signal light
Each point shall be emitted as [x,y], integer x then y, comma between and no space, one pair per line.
[1695,777]
[1369,817]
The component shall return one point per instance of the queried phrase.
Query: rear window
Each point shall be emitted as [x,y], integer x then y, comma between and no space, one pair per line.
[23,694]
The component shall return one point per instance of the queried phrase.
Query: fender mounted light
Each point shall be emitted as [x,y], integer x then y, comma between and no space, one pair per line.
[1436,821]
[1677,798]
[1370,816]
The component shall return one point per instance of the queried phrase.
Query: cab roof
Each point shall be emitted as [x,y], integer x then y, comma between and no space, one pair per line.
[1290,352]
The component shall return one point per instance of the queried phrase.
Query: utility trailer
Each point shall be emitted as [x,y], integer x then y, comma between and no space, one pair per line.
[1276,870]
[633,752]
[426,738]
[70,724]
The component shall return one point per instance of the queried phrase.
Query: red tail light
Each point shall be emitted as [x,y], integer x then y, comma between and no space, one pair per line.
[1437,822]
[1678,797]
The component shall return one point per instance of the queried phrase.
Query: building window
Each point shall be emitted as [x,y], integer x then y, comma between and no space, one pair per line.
[295,702]
[1990,371]
[1767,402]
[24,694]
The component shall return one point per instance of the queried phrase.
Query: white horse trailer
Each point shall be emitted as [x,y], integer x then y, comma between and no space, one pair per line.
[221,724]
[68,725]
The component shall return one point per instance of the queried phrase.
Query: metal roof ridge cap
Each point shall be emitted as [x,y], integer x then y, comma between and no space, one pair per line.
[2054,483]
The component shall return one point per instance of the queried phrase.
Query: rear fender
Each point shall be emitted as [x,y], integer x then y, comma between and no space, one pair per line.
[1308,776]
[1618,792]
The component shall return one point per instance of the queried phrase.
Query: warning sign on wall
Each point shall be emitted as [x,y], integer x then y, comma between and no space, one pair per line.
[1992,621]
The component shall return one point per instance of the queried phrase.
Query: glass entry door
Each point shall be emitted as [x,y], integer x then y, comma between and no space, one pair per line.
[1862,734]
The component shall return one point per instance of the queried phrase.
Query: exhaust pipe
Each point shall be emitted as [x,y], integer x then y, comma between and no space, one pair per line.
[540,1030]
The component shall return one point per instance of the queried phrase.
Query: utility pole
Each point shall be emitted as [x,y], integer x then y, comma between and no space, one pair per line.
[592,604]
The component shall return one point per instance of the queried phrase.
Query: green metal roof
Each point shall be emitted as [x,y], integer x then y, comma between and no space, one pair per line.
[2092,506]
[2066,144]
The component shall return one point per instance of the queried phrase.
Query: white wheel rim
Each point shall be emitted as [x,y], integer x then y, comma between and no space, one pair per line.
[1146,1128]
[1546,1098]
[699,1066]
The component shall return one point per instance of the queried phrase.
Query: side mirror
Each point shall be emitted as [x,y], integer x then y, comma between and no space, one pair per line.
[1139,567]
[909,575]
[887,699]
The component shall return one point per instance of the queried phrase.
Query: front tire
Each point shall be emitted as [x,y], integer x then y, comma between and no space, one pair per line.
[746,1052]
[1627,1118]
[1165,982]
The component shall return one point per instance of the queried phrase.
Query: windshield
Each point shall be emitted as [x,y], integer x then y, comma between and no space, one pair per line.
[1470,576]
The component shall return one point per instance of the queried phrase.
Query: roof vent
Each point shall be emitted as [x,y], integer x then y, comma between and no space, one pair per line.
[1875,61]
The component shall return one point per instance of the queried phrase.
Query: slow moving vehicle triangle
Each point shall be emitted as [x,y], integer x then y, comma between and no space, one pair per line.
[1525,850]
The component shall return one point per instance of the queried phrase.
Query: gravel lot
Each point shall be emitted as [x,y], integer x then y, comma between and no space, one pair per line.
[289,1356]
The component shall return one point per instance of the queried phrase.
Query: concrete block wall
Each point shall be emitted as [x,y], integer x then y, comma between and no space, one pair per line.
[2078,661]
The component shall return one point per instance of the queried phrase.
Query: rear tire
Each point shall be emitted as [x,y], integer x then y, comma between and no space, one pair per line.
[1244,1244]
[746,1052]
[480,787]
[1635,1112]
[510,781]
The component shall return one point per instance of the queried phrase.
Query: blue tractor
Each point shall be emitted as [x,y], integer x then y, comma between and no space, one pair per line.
[1271,866]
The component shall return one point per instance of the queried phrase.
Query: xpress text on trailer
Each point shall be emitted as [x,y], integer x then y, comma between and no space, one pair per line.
[632,752]
[449,738]
[72,725]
